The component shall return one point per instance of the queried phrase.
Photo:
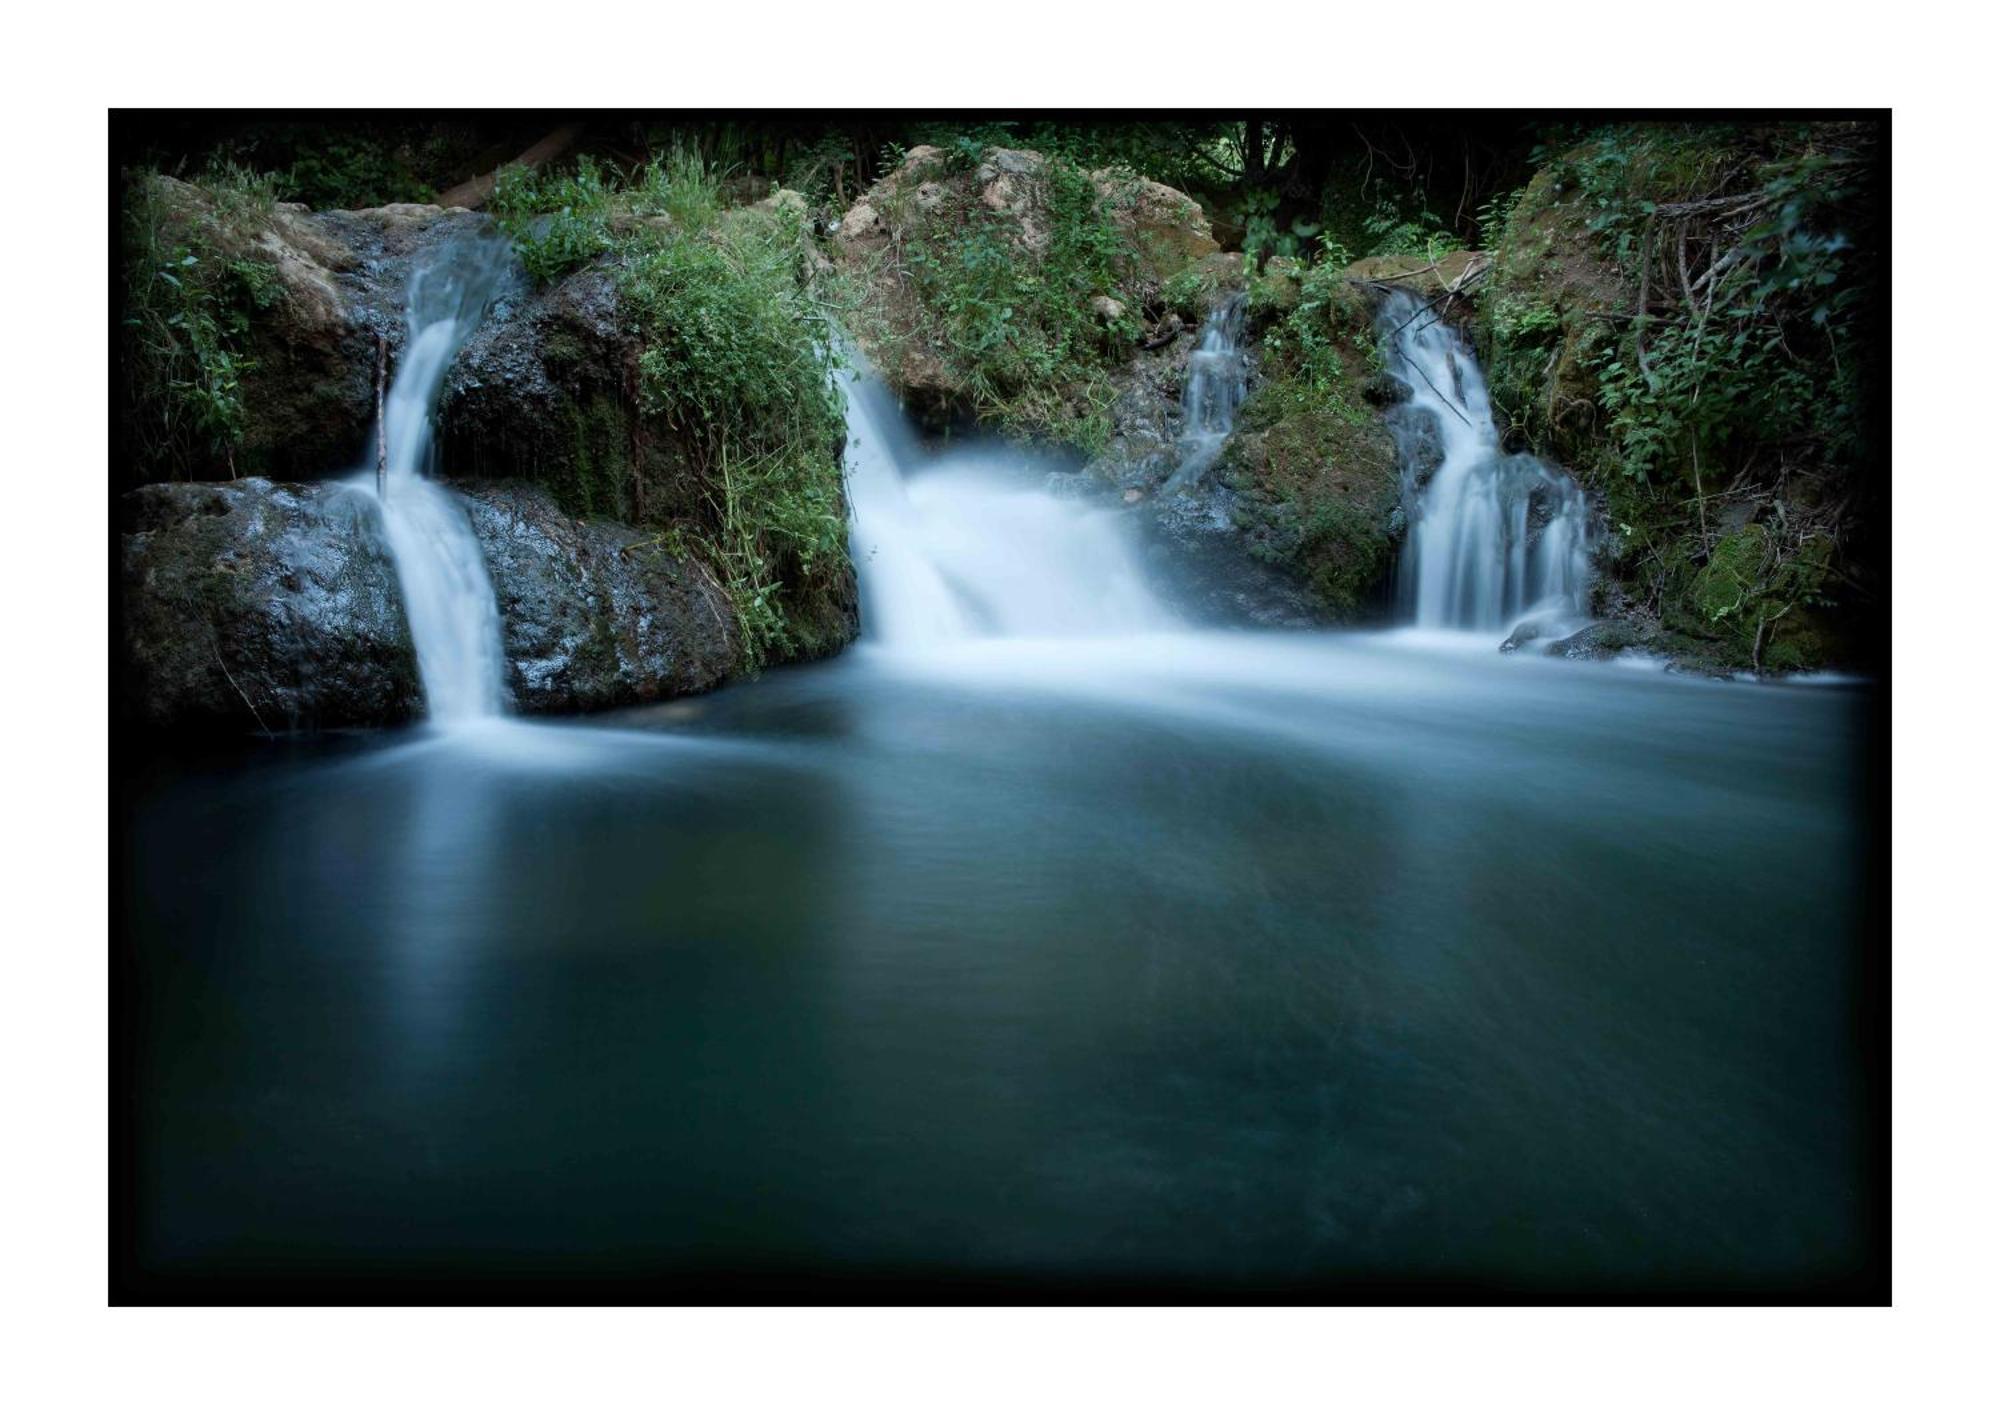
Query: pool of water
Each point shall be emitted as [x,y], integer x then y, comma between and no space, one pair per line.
[1219,962]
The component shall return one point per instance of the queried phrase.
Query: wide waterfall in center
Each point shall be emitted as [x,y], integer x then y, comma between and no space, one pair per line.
[453,618]
[1494,537]
[967,544]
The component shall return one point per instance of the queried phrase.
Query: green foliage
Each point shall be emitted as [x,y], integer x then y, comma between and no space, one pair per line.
[1263,237]
[1389,232]
[1180,154]
[188,313]
[1303,352]
[349,171]
[1680,314]
[735,364]
[1016,327]
[1190,292]
[1360,210]
[559,222]
[1749,327]
[1313,463]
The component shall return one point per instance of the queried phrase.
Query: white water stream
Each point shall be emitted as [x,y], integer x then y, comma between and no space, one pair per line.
[1214,391]
[968,545]
[446,592]
[1495,537]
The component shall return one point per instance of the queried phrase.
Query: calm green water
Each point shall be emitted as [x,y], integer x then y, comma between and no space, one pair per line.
[1211,961]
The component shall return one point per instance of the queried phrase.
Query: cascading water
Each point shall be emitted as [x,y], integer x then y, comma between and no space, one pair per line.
[1212,395]
[962,546]
[446,593]
[1494,537]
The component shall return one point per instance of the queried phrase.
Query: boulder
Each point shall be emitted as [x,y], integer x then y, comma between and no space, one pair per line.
[931,201]
[1167,228]
[254,605]
[595,614]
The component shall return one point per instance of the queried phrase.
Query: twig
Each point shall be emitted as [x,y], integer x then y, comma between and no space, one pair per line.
[257,716]
[1435,389]
[381,424]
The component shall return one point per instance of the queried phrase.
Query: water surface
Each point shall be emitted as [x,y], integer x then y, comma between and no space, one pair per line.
[1224,961]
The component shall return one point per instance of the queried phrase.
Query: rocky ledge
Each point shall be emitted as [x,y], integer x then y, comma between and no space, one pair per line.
[260,606]
[263,606]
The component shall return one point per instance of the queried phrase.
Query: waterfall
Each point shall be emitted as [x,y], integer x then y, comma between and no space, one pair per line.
[446,593]
[1494,537]
[1213,392]
[971,544]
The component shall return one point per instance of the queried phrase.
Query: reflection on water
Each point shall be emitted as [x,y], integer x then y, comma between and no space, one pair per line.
[1216,958]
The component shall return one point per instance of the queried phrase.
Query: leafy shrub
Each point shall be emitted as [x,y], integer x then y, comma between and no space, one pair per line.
[186,323]
[735,362]
[1017,328]
[1682,311]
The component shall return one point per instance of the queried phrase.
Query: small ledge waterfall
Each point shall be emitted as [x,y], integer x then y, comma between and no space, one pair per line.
[1212,395]
[1494,537]
[454,620]
[967,545]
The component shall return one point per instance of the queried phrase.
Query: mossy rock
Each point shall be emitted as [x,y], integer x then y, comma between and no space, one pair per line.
[981,286]
[1318,491]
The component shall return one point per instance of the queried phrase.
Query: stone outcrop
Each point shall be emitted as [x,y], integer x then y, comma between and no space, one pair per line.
[254,605]
[262,606]
[595,614]
[334,281]
[931,198]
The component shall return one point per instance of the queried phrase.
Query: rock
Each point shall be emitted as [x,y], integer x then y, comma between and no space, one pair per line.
[1277,288]
[543,390]
[253,605]
[337,280]
[596,614]
[1420,273]
[926,201]
[1609,638]
[1167,228]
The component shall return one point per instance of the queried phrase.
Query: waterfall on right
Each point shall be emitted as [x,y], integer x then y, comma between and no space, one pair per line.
[1495,537]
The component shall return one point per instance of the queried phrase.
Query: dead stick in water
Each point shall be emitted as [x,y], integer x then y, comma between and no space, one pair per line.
[381,427]
[1435,389]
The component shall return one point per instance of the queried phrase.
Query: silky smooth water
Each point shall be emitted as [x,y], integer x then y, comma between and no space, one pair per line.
[1214,391]
[454,621]
[972,543]
[1495,537]
[1037,939]
[1212,959]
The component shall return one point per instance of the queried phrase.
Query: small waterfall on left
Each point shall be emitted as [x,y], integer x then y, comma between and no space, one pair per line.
[454,620]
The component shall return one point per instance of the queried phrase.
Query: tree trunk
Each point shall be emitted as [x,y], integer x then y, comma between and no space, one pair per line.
[476,191]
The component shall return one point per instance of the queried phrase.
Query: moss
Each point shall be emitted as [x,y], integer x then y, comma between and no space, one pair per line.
[595,478]
[1732,576]
[1316,473]
[1313,465]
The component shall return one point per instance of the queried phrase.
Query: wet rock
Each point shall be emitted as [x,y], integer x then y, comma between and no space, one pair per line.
[596,614]
[253,605]
[1203,567]
[546,389]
